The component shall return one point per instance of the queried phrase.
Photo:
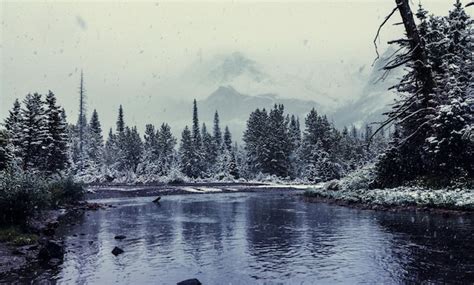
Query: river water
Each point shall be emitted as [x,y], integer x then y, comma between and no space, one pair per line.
[262,238]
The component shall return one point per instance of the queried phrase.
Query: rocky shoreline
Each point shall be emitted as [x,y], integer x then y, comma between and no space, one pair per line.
[48,250]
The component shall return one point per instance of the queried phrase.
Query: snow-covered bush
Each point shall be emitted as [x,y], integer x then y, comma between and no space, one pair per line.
[359,178]
[175,176]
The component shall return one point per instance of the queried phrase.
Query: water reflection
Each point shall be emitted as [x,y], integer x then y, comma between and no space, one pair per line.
[256,238]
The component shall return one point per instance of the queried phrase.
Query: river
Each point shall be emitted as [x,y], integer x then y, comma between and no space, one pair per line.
[261,238]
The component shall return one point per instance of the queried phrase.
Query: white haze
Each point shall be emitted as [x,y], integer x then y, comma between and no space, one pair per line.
[146,54]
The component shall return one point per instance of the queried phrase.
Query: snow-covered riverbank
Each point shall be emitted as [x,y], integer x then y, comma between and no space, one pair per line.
[456,199]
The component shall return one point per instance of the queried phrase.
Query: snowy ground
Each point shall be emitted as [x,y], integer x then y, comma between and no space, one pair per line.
[100,192]
[453,199]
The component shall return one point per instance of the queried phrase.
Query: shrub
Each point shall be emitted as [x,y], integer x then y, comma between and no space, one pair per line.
[65,191]
[21,194]
[24,193]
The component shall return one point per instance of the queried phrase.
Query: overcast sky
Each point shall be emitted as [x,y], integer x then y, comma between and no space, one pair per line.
[128,49]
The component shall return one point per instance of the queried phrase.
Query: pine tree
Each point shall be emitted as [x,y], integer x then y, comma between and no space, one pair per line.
[13,129]
[96,141]
[217,141]
[188,155]
[321,147]
[166,144]
[294,132]
[81,126]
[255,138]
[54,144]
[278,143]
[120,121]
[227,139]
[5,156]
[121,141]
[208,158]
[198,163]
[150,144]
[131,149]
[111,149]
[217,134]
[33,132]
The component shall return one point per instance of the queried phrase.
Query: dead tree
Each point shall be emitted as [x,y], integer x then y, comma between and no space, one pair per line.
[415,54]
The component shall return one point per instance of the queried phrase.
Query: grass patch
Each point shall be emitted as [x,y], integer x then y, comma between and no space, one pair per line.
[16,236]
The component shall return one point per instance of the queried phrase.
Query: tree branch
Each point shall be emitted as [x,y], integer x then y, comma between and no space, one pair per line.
[378,32]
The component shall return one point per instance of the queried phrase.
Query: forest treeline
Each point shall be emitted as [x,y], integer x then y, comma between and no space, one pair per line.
[37,137]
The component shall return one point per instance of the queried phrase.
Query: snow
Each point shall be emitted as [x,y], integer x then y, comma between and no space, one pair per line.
[459,199]
[201,189]
[354,188]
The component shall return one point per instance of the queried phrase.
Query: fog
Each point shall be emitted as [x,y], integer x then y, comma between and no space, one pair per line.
[143,54]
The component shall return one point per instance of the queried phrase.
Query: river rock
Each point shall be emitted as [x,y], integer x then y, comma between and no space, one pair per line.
[117,250]
[193,281]
[51,249]
[120,237]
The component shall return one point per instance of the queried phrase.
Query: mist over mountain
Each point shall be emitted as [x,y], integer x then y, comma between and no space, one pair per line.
[235,85]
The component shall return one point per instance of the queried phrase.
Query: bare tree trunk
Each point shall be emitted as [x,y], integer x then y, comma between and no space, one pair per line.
[418,56]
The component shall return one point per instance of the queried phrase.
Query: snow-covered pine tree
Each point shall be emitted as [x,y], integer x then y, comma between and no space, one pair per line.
[120,141]
[255,136]
[187,155]
[166,144]
[33,132]
[208,159]
[13,129]
[5,156]
[54,144]
[96,141]
[120,121]
[320,149]
[448,147]
[131,149]
[111,150]
[198,162]
[217,134]
[150,145]
[227,139]
[278,144]
[294,134]
[196,135]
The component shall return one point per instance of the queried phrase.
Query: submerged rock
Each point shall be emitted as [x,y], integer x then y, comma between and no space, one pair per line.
[193,281]
[117,250]
[120,237]
[51,249]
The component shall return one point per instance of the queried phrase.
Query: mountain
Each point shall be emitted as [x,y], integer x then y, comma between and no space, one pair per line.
[373,100]
[330,84]
[235,107]
[235,85]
